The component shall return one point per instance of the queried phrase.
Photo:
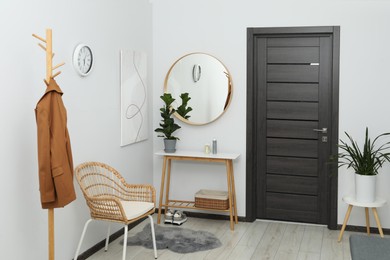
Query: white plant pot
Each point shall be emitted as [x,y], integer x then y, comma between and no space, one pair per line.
[365,188]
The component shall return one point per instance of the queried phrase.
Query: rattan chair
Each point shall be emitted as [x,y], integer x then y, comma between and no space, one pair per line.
[110,198]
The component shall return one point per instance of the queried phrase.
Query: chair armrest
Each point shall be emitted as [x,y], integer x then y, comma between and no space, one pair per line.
[138,192]
[106,207]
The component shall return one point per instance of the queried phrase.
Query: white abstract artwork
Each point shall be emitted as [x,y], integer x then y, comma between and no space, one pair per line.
[134,113]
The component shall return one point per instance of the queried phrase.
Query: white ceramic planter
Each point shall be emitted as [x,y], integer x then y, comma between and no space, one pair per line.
[365,188]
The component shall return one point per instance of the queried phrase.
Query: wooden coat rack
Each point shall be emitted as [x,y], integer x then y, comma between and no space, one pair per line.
[49,74]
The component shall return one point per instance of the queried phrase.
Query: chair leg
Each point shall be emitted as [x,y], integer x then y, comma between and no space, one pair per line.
[124,243]
[108,237]
[153,236]
[81,238]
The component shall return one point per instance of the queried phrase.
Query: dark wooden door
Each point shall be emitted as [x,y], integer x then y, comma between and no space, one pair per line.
[293,108]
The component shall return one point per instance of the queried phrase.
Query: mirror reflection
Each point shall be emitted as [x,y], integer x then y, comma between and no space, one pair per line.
[208,83]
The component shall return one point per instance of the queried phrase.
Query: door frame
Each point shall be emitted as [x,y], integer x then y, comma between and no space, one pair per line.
[253,126]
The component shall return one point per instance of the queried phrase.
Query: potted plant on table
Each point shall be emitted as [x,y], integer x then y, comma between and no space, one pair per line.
[168,125]
[365,162]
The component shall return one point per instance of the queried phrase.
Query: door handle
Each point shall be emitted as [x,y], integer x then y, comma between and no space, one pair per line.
[323,130]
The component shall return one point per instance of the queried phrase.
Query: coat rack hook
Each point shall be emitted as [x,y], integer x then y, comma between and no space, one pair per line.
[59,65]
[39,38]
[43,47]
[56,74]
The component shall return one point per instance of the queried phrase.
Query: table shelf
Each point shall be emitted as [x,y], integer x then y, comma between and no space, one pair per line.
[183,204]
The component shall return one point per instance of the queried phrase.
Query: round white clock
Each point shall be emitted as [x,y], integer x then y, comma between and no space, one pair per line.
[83,59]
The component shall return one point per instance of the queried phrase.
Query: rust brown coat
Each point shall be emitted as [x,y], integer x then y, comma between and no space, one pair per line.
[54,151]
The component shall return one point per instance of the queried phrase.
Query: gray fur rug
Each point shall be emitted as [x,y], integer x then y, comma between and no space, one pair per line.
[177,239]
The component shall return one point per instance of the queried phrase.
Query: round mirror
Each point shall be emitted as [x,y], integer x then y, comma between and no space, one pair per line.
[208,83]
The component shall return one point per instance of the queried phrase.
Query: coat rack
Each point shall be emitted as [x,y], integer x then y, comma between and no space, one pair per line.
[49,74]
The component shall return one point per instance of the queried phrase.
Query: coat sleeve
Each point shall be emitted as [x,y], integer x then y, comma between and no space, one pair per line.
[46,184]
[69,151]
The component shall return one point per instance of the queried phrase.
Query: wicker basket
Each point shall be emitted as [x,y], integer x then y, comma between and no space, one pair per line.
[212,199]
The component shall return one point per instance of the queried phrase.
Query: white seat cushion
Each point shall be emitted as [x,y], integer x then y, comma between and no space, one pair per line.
[134,209]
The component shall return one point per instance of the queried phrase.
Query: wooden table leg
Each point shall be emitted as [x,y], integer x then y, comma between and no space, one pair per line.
[234,192]
[378,223]
[228,173]
[345,222]
[367,221]
[161,189]
[168,184]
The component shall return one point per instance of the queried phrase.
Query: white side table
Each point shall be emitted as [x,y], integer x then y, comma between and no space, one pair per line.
[373,205]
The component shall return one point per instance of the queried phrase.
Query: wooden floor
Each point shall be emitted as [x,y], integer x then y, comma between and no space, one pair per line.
[257,240]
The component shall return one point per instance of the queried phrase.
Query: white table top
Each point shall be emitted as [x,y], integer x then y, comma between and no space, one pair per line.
[376,204]
[181,153]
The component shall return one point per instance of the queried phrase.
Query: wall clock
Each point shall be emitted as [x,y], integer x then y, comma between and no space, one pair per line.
[83,59]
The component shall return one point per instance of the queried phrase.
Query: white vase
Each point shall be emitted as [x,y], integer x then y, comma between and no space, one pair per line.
[365,188]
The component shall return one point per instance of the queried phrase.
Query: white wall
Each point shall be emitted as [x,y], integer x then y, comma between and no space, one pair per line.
[219,28]
[93,105]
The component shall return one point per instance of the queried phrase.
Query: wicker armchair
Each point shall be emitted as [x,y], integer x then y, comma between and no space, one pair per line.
[110,198]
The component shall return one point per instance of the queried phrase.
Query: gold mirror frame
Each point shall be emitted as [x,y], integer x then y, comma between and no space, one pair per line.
[196,71]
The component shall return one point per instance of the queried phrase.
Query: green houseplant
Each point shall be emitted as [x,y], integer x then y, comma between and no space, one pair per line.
[184,109]
[168,125]
[365,162]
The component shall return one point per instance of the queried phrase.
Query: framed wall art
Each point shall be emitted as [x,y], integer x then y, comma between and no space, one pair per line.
[134,113]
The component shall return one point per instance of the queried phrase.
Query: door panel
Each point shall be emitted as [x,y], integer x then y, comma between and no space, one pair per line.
[292,73]
[292,147]
[292,215]
[292,92]
[293,55]
[304,203]
[292,41]
[292,129]
[292,110]
[292,166]
[292,184]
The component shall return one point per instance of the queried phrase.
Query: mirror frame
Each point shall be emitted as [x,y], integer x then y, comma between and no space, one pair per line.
[228,98]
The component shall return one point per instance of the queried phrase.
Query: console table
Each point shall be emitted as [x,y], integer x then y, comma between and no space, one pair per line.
[225,158]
